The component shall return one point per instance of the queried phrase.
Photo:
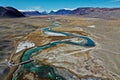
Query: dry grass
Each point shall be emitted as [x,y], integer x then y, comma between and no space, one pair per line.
[13,29]
[73,21]
[106,35]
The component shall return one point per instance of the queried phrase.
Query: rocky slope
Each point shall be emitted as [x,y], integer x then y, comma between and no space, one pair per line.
[90,12]
[10,12]
[31,13]
[61,12]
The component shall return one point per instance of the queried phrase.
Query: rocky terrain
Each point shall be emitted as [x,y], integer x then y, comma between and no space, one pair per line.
[31,13]
[105,13]
[61,12]
[9,12]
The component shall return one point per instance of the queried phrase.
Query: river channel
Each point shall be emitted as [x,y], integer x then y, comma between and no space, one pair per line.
[46,71]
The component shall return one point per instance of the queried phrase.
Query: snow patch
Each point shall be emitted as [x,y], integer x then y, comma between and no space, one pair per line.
[24,45]
[54,34]
[92,26]
[76,40]
[69,8]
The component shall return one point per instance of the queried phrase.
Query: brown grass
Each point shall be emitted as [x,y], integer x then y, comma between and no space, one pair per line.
[106,34]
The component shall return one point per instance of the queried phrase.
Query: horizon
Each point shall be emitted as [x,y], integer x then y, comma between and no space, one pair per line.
[42,5]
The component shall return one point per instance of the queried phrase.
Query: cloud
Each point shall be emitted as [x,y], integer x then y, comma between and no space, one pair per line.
[69,8]
[65,9]
[54,10]
[37,8]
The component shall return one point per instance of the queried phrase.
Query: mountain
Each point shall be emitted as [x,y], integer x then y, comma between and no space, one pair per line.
[10,12]
[44,13]
[97,12]
[51,12]
[61,12]
[31,13]
[90,12]
[82,11]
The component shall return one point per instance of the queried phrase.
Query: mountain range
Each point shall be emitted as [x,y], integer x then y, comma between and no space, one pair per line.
[90,12]
[31,13]
[85,11]
[61,12]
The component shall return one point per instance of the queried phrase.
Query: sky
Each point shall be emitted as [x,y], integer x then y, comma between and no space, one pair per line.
[48,5]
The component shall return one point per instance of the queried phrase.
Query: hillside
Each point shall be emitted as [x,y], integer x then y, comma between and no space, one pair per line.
[90,12]
[31,13]
[10,12]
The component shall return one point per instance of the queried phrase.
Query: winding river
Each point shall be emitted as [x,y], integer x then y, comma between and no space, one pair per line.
[45,71]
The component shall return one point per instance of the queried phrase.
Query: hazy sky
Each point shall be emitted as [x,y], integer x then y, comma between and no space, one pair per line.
[49,5]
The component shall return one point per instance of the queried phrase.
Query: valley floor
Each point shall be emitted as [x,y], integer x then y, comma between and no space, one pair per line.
[103,57]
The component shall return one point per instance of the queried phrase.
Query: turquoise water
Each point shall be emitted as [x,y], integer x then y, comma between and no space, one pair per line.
[45,71]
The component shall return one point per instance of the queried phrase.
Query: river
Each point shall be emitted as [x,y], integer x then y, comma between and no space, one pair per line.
[46,71]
